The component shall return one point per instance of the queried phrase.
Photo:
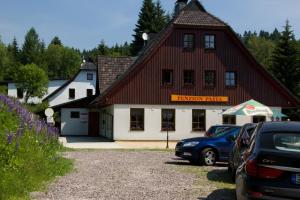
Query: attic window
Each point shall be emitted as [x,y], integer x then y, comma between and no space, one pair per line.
[210,41]
[71,93]
[189,41]
[89,76]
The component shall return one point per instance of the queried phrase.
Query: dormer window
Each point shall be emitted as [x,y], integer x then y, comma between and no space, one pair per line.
[210,41]
[189,41]
[89,76]
[71,93]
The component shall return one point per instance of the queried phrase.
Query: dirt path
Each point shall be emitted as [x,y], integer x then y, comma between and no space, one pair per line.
[115,175]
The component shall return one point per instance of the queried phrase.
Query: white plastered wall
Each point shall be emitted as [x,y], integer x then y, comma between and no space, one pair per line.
[77,126]
[80,84]
[183,120]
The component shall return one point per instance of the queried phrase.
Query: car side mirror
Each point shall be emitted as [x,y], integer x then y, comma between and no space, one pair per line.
[230,138]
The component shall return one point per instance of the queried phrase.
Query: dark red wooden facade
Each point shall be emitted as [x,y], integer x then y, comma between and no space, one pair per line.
[144,84]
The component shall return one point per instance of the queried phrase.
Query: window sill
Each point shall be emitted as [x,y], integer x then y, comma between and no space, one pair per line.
[230,87]
[137,130]
[189,86]
[209,50]
[198,131]
[209,87]
[188,49]
[164,130]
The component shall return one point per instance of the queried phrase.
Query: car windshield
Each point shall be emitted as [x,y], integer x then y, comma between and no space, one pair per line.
[287,142]
[225,132]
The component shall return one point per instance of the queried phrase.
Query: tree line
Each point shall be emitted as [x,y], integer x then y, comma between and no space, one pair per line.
[277,51]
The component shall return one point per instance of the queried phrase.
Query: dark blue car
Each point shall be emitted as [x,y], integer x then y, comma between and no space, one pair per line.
[208,150]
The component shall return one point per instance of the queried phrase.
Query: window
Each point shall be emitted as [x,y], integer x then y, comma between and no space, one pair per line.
[287,142]
[89,92]
[230,79]
[199,120]
[89,76]
[167,77]
[71,93]
[20,93]
[210,42]
[210,78]
[137,119]
[75,115]
[229,119]
[168,119]
[189,41]
[257,119]
[188,77]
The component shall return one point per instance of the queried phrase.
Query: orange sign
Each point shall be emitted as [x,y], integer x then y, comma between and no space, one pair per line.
[182,98]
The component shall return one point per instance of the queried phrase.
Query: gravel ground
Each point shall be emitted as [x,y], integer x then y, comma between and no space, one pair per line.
[130,175]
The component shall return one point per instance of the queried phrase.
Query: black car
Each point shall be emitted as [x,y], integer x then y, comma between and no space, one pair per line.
[240,145]
[271,164]
[207,150]
[218,129]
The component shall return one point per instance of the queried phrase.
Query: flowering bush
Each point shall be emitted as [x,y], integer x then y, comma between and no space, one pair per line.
[29,151]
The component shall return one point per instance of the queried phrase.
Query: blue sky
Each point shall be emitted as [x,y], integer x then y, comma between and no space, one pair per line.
[83,23]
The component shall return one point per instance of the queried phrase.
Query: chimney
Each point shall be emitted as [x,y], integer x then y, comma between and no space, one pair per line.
[179,5]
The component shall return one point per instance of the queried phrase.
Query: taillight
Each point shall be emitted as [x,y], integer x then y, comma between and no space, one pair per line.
[257,171]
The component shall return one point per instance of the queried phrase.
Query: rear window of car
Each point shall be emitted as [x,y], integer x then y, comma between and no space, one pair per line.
[287,142]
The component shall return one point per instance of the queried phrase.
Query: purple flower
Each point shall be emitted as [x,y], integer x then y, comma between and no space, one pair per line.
[9,138]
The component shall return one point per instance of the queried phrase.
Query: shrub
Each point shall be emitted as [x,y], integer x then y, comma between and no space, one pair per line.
[30,153]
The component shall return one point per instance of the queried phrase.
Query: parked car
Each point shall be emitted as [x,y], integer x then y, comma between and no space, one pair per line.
[240,145]
[271,164]
[207,150]
[218,129]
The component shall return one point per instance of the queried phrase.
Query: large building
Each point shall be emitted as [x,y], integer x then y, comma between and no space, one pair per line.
[182,81]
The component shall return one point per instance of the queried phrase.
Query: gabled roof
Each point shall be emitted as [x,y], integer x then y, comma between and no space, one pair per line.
[88,66]
[78,103]
[84,66]
[193,15]
[110,69]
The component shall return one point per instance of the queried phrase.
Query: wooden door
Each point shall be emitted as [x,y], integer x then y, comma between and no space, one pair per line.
[93,124]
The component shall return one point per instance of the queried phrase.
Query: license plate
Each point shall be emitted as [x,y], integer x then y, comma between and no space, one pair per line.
[296,179]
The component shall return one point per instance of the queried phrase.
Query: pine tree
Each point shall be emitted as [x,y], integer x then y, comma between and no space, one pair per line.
[14,49]
[160,19]
[56,41]
[103,49]
[285,65]
[32,47]
[145,23]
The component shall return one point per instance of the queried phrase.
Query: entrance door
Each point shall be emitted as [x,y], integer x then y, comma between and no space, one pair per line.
[93,124]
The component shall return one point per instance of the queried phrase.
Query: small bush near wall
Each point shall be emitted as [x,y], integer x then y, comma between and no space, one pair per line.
[3,89]
[30,154]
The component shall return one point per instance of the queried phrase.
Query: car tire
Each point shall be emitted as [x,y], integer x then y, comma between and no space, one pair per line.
[208,157]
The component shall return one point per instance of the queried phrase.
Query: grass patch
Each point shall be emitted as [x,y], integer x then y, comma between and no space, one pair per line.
[29,159]
[215,177]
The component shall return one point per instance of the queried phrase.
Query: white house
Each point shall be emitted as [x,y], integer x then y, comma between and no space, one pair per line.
[13,91]
[82,85]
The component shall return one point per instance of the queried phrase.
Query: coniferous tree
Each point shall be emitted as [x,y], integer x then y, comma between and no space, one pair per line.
[145,23]
[13,49]
[32,47]
[160,19]
[56,41]
[285,65]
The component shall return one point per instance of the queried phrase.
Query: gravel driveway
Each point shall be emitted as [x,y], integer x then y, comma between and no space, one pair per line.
[116,174]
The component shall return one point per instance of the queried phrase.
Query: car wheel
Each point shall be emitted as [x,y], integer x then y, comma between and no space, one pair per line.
[208,157]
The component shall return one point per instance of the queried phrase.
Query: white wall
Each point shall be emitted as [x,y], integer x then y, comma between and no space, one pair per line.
[71,126]
[52,86]
[153,121]
[80,84]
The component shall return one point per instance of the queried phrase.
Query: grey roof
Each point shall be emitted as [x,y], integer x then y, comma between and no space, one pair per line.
[195,14]
[110,69]
[88,66]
